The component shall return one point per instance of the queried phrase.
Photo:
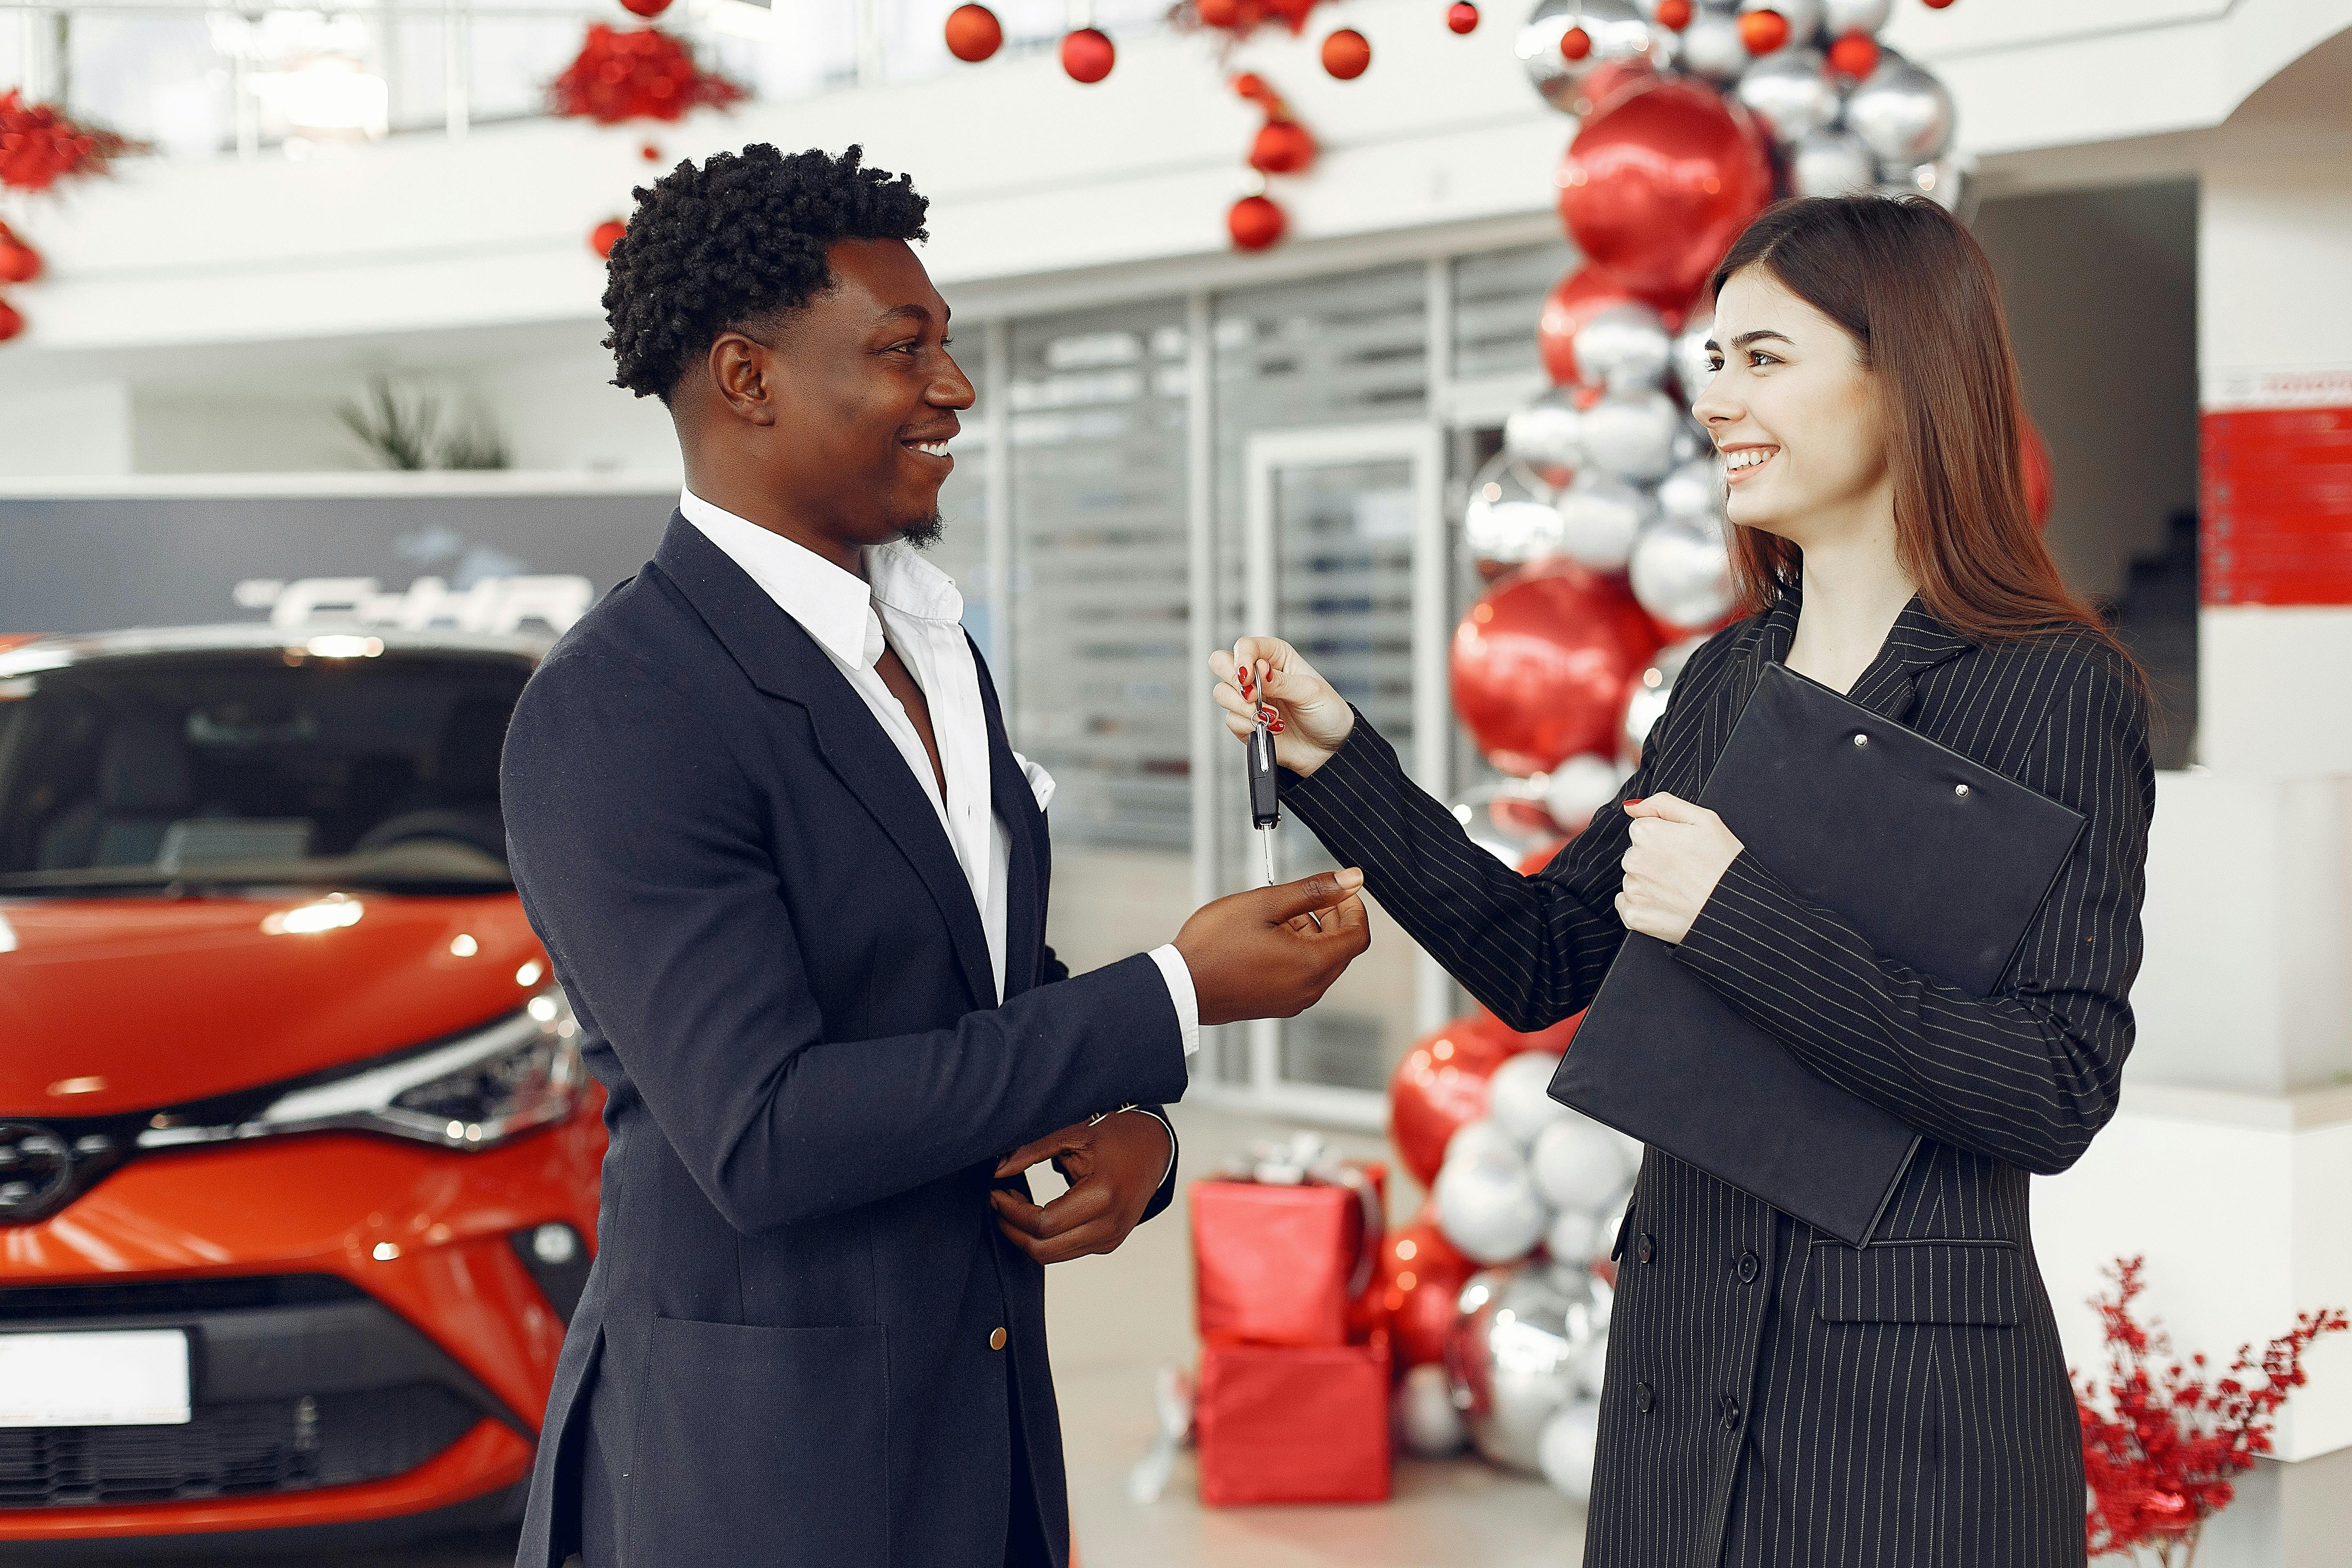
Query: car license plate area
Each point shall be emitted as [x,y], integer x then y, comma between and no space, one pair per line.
[127,1377]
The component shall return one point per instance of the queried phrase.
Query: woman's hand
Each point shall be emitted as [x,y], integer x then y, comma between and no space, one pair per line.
[1679,852]
[1310,720]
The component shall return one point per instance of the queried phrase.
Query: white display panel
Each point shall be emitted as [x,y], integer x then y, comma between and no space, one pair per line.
[129,1377]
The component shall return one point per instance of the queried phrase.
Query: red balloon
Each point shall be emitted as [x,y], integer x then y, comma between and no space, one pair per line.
[1763,31]
[1658,184]
[12,323]
[645,7]
[19,262]
[1574,300]
[1282,147]
[1540,665]
[1440,1085]
[1088,54]
[1416,1284]
[1536,860]
[1855,54]
[1554,1040]
[974,32]
[606,235]
[2041,482]
[1462,16]
[1346,54]
[1254,223]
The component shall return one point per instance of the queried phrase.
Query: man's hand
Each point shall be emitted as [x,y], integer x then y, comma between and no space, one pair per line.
[1678,853]
[1257,955]
[1113,1168]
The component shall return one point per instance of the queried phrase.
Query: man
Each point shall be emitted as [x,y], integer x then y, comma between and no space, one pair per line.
[762,812]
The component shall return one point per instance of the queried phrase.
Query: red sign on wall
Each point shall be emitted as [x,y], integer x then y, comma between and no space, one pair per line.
[2277,525]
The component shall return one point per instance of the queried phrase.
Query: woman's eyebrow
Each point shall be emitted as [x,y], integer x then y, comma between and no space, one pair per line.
[1758,335]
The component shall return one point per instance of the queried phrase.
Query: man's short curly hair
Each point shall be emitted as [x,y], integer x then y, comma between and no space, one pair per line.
[742,238]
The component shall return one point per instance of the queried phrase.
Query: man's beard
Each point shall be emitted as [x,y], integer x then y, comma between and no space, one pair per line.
[924,532]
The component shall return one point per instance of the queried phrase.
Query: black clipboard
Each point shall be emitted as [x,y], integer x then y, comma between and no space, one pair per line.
[1938,861]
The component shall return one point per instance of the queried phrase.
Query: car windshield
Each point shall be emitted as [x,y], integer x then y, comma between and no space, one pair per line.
[255,767]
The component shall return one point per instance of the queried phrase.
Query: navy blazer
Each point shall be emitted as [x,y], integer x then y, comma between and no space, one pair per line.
[783,1354]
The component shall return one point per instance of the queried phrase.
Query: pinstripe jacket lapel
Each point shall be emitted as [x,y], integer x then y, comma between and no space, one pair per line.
[1917,644]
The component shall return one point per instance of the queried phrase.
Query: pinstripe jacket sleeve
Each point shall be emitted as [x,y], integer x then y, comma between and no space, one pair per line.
[2028,1074]
[1533,949]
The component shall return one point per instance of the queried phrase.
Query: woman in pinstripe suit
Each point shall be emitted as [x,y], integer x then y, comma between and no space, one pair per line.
[1775,1397]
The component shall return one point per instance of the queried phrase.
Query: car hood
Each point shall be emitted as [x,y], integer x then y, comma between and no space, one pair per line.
[120,1005]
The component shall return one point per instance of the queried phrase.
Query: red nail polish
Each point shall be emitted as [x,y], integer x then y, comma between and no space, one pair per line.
[1634,801]
[1275,728]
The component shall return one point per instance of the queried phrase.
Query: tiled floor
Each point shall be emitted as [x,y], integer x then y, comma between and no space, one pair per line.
[1115,1320]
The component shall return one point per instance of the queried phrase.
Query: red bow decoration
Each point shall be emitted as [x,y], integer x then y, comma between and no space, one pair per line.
[641,74]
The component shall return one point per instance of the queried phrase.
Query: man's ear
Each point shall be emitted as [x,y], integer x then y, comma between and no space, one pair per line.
[743,373]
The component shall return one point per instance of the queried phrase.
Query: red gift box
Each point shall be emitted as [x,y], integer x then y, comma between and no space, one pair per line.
[1279,1265]
[1294,1422]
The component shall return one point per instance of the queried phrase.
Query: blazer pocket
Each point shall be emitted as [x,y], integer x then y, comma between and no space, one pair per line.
[763,1446]
[1923,1280]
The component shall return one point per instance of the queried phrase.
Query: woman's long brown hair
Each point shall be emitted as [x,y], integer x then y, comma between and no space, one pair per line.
[1915,290]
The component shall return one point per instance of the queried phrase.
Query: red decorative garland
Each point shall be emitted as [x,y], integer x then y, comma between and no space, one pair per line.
[39,146]
[2161,1464]
[641,74]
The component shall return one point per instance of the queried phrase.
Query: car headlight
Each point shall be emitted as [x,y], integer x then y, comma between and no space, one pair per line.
[520,1072]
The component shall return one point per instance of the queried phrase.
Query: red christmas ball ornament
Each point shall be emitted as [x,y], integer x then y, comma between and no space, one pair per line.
[1855,54]
[1088,54]
[974,32]
[1575,43]
[1218,12]
[1415,1283]
[1935,4]
[649,152]
[1256,223]
[2041,482]
[606,235]
[1655,187]
[1540,664]
[1440,1085]
[1462,16]
[1346,54]
[1536,860]
[1673,15]
[1763,31]
[1282,147]
[11,321]
[645,7]
[19,262]
[1553,1040]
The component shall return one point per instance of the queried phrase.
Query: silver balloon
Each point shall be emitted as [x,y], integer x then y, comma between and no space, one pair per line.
[1693,369]
[1791,92]
[1681,571]
[1568,1445]
[1831,161]
[1544,435]
[1653,687]
[1518,1096]
[1511,517]
[1623,347]
[1574,1236]
[1803,16]
[1579,787]
[1692,442]
[1840,17]
[1630,435]
[1712,47]
[1427,1423]
[1618,31]
[1903,114]
[1508,818]
[1599,519]
[1693,490]
[1488,1204]
[1516,1353]
[1579,1163]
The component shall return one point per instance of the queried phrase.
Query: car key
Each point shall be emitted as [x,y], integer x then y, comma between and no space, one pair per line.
[1266,796]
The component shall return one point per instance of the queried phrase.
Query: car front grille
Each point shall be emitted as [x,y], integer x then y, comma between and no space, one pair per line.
[235,1449]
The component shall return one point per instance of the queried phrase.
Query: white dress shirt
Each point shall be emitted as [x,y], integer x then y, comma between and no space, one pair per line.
[914,608]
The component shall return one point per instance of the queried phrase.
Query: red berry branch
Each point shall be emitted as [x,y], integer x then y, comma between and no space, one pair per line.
[2161,1442]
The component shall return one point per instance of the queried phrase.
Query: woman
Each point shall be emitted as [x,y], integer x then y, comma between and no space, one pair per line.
[1773,1397]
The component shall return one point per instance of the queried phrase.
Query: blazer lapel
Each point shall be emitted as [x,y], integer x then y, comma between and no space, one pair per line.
[1015,804]
[1917,644]
[786,662]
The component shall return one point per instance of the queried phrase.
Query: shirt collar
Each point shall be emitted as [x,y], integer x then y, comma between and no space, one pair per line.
[834,606]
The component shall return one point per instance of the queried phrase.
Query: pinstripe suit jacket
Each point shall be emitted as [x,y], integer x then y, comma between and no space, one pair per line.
[1774,1396]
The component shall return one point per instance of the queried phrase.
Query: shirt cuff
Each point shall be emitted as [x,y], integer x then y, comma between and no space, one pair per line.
[1174,969]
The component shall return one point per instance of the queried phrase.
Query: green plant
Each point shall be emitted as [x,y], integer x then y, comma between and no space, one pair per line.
[408,428]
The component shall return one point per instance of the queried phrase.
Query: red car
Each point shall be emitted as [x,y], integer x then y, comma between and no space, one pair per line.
[298,1161]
